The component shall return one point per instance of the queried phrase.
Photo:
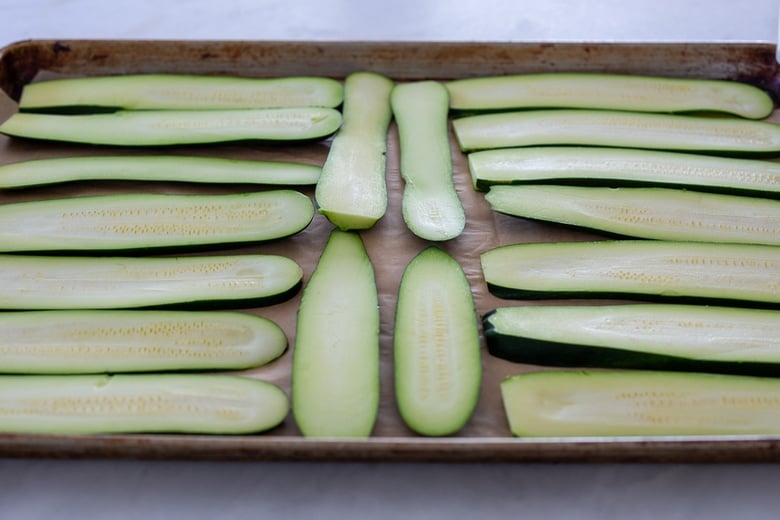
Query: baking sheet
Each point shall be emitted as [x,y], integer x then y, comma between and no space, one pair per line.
[389,244]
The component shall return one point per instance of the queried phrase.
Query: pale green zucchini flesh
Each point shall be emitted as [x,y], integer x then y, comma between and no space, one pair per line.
[430,205]
[616,129]
[171,127]
[70,282]
[657,213]
[179,92]
[83,342]
[640,403]
[212,170]
[103,404]
[610,92]
[437,362]
[151,221]
[335,372]
[352,191]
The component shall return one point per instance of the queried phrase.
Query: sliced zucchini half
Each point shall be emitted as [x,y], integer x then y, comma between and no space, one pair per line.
[645,336]
[335,372]
[659,270]
[152,221]
[640,403]
[170,403]
[72,282]
[616,129]
[430,205]
[74,342]
[610,92]
[179,92]
[212,170]
[620,167]
[172,127]
[437,361]
[657,213]
[352,190]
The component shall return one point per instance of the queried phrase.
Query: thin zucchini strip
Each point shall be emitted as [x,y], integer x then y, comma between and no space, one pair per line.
[171,127]
[149,221]
[101,404]
[41,282]
[616,129]
[212,170]
[610,92]
[631,403]
[83,342]
[180,92]
[657,213]
[657,270]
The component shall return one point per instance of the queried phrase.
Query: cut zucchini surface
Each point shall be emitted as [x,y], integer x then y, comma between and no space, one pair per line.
[72,342]
[616,129]
[182,92]
[335,372]
[436,346]
[170,127]
[148,221]
[658,270]
[609,91]
[214,170]
[658,213]
[95,404]
[631,403]
[40,282]
[352,190]
[647,336]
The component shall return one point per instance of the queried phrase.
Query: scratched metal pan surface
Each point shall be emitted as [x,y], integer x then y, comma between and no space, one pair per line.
[390,245]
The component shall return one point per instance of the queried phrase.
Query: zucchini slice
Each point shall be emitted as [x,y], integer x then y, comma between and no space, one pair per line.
[171,127]
[101,404]
[438,368]
[352,190]
[213,170]
[658,213]
[41,282]
[430,205]
[335,372]
[610,92]
[616,129]
[620,167]
[647,336]
[658,270]
[631,403]
[150,221]
[179,92]
[73,342]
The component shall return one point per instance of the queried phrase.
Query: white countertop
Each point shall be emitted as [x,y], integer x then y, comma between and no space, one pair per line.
[155,490]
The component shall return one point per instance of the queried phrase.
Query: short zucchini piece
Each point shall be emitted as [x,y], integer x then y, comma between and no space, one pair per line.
[657,270]
[430,205]
[179,92]
[438,368]
[74,342]
[335,372]
[657,213]
[616,129]
[171,127]
[352,190]
[647,336]
[102,404]
[212,170]
[224,281]
[631,403]
[151,221]
[610,92]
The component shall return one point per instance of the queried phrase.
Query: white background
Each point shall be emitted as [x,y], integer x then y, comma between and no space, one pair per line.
[155,490]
